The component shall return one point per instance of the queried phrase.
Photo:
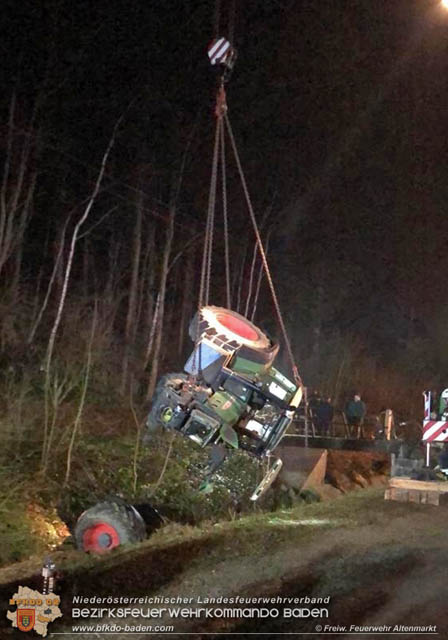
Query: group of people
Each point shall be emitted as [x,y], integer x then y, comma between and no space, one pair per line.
[322,414]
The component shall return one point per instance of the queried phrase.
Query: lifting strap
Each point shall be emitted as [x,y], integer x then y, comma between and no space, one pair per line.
[225,217]
[218,154]
[294,368]
[222,119]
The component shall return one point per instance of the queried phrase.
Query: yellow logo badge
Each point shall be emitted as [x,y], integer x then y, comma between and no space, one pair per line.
[34,610]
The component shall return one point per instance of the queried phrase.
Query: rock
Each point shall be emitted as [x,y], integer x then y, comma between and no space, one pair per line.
[379,481]
[359,479]
[341,481]
[328,492]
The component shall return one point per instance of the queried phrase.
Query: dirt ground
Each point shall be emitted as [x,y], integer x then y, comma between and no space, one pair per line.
[388,569]
[380,562]
[349,470]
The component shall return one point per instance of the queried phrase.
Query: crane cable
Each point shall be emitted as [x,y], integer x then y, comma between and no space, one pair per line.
[204,288]
[260,275]
[230,21]
[221,118]
[218,155]
[204,291]
[217,18]
[225,216]
[294,367]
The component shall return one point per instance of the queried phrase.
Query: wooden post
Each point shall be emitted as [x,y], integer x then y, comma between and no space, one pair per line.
[346,427]
[428,450]
[305,398]
[388,423]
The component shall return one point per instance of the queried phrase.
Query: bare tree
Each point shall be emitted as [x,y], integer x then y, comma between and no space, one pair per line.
[49,430]
[148,281]
[17,189]
[187,297]
[154,346]
[56,268]
[155,341]
[84,387]
[130,328]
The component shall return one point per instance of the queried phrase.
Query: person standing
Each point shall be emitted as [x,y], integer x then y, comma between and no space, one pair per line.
[324,413]
[313,403]
[313,400]
[355,410]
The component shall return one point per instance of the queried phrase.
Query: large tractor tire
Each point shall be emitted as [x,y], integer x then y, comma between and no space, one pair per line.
[232,326]
[108,525]
[230,331]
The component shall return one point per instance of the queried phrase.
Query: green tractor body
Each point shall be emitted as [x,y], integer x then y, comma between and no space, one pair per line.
[229,394]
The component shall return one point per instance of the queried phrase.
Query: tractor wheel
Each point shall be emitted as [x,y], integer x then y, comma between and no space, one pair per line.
[230,328]
[108,525]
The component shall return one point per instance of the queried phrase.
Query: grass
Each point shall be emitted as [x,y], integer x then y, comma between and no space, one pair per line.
[32,506]
[292,549]
[252,532]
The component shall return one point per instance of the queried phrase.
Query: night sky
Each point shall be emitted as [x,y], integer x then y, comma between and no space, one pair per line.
[339,108]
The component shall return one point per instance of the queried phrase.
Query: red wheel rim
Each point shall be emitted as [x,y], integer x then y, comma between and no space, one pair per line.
[239,327]
[102,537]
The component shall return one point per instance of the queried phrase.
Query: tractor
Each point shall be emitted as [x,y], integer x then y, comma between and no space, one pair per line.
[229,396]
